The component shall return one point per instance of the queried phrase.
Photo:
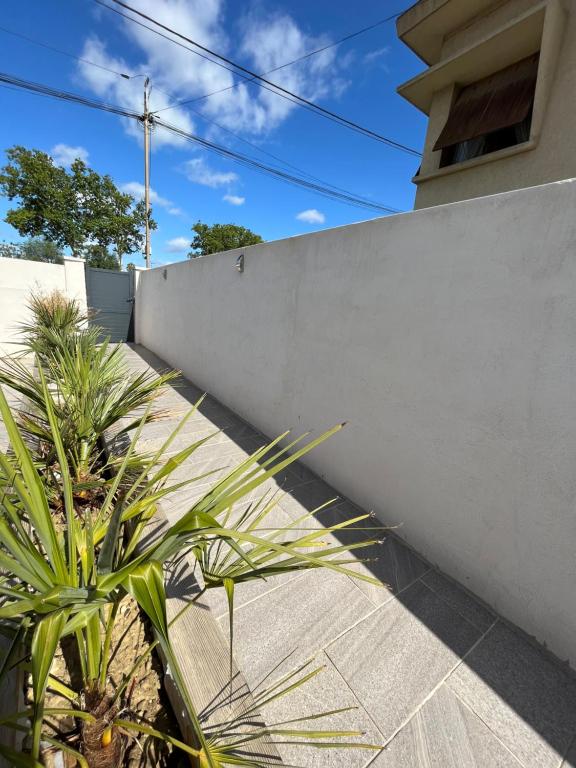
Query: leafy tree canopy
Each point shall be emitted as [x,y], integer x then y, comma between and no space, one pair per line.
[10,250]
[70,207]
[99,256]
[220,237]
[39,249]
[35,249]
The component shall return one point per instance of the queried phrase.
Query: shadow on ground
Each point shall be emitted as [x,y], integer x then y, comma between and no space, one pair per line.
[436,675]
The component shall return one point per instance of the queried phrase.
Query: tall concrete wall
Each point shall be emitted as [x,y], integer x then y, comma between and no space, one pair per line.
[19,278]
[447,339]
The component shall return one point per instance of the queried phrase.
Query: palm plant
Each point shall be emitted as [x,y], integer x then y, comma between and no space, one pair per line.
[91,390]
[53,315]
[69,580]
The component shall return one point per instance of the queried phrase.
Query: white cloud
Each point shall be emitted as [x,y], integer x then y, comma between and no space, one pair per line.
[234,199]
[136,189]
[129,93]
[199,172]
[64,155]
[374,56]
[311,216]
[177,245]
[270,41]
[266,41]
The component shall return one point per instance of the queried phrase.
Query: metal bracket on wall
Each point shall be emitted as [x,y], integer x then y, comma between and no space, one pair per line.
[240,263]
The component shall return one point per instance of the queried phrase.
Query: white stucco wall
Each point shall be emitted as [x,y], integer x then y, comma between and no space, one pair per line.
[19,278]
[446,338]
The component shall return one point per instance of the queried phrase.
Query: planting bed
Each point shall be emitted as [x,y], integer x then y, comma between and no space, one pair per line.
[146,697]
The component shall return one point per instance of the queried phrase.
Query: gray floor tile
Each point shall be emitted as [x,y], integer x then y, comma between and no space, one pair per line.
[247,591]
[525,698]
[570,759]
[216,599]
[326,691]
[462,601]
[294,475]
[445,734]
[394,564]
[509,694]
[309,497]
[296,620]
[396,657]
[390,561]
[152,444]
[330,515]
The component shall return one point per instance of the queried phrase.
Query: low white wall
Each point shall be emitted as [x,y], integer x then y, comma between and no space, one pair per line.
[19,278]
[447,339]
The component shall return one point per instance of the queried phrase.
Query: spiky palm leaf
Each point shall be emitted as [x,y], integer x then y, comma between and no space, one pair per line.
[65,581]
[91,390]
[54,317]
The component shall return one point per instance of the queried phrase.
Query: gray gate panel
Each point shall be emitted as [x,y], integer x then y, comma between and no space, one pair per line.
[110,299]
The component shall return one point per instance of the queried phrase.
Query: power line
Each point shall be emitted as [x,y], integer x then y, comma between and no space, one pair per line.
[64,53]
[55,93]
[23,93]
[296,100]
[166,37]
[196,53]
[322,189]
[276,88]
[261,81]
[287,63]
[265,152]
[123,75]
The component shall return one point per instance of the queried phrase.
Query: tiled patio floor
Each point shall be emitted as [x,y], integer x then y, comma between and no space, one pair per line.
[433,674]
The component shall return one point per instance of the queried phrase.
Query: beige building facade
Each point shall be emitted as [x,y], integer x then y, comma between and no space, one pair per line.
[499,92]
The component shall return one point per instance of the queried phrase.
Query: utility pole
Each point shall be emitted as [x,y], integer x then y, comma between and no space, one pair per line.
[146,122]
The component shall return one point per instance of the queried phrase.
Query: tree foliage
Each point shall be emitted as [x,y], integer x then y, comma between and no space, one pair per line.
[70,207]
[34,249]
[39,249]
[10,250]
[220,237]
[99,256]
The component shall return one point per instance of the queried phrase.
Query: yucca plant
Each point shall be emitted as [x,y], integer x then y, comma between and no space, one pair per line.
[69,579]
[91,390]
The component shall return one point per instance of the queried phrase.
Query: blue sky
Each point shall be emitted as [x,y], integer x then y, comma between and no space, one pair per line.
[357,79]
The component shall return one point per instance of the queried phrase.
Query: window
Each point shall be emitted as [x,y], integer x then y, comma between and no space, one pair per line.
[491,114]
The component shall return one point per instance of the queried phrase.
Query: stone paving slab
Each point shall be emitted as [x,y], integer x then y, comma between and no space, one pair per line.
[315,697]
[446,734]
[522,695]
[396,658]
[461,601]
[570,761]
[433,672]
[308,612]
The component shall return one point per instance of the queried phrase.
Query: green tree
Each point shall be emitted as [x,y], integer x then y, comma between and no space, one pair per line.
[70,208]
[34,249]
[99,256]
[220,237]
[9,250]
[39,249]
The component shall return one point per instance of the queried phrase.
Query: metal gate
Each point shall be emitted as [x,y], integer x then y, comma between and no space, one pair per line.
[110,298]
